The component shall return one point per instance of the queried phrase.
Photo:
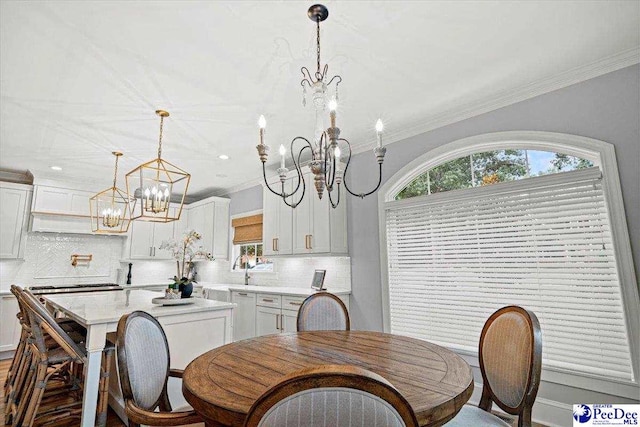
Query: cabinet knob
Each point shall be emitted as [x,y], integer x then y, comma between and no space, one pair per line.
[295,303]
[267,300]
[242,294]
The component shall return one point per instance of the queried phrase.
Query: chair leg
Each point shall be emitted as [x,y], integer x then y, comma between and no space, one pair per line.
[103,396]
[39,384]
[13,368]
[24,396]
[17,381]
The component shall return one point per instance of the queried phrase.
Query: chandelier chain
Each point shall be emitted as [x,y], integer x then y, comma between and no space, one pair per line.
[160,139]
[318,42]
[115,172]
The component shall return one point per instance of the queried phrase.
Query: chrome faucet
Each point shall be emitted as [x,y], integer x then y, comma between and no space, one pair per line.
[246,269]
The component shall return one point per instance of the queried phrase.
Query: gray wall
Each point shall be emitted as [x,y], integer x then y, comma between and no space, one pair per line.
[246,200]
[605,108]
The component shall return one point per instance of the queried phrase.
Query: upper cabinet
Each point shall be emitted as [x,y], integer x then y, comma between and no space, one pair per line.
[15,200]
[312,227]
[277,222]
[146,238]
[210,218]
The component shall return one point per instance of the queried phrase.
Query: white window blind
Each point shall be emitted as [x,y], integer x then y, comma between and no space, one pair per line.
[543,243]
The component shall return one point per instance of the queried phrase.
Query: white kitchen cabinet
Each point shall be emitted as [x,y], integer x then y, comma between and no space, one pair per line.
[277,313]
[210,218]
[146,238]
[9,325]
[244,315]
[277,220]
[313,227]
[14,216]
[267,320]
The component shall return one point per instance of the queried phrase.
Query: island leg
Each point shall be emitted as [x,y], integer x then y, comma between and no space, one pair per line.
[96,336]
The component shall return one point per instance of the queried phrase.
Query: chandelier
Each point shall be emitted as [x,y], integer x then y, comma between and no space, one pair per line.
[157,183]
[328,169]
[111,209]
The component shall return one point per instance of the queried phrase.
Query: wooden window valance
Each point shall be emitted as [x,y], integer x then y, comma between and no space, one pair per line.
[247,229]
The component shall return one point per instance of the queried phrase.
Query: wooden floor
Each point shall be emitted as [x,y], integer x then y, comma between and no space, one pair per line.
[112,419]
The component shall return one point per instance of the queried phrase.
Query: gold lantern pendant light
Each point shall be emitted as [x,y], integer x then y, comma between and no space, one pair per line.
[111,209]
[158,187]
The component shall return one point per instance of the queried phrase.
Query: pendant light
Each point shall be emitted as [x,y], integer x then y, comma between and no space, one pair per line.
[158,187]
[111,209]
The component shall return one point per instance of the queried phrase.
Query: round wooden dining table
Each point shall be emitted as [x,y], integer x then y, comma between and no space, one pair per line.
[223,383]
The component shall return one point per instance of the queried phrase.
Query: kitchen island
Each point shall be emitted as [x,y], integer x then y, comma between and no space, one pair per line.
[191,330]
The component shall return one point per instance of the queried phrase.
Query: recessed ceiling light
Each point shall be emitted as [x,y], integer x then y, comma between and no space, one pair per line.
[223,157]
[56,168]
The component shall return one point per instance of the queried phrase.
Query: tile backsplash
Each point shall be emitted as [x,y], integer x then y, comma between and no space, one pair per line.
[293,272]
[47,260]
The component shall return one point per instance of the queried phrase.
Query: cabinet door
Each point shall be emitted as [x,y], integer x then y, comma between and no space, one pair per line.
[220,248]
[12,210]
[302,218]
[141,240]
[244,315]
[9,326]
[267,321]
[289,320]
[285,222]
[162,232]
[270,221]
[320,232]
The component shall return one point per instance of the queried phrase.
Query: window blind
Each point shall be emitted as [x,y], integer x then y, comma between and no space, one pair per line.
[543,243]
[247,229]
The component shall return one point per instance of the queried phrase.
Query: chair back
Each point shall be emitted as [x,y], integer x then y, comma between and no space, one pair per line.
[323,311]
[510,360]
[332,395]
[143,361]
[42,322]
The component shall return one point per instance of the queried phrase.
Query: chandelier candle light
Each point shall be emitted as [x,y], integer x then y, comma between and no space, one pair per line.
[325,151]
[154,184]
[111,209]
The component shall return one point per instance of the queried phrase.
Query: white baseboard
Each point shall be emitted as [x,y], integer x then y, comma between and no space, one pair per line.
[547,412]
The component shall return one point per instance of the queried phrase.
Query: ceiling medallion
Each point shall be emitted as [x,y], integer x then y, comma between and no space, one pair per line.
[325,165]
[158,187]
[111,209]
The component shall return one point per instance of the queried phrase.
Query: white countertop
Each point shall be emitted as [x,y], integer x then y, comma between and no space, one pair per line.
[105,307]
[280,290]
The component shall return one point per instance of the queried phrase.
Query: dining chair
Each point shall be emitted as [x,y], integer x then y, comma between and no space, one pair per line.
[323,311]
[510,354]
[144,369]
[54,354]
[332,395]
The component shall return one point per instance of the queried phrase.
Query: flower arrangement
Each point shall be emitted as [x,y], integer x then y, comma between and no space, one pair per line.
[185,254]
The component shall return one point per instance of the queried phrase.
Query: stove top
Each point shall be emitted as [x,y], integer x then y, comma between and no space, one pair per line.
[67,289]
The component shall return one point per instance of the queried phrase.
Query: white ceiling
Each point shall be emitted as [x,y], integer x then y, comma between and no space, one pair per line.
[81,79]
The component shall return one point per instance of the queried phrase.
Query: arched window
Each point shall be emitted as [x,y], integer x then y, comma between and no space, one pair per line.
[491,167]
[536,220]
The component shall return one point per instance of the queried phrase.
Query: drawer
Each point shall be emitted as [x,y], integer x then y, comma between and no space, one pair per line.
[292,303]
[267,300]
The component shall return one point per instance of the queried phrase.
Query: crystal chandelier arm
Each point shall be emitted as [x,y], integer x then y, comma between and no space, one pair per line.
[283,194]
[306,77]
[333,78]
[346,167]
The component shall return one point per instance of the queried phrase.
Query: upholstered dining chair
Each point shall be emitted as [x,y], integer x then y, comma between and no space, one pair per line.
[332,395]
[510,356]
[144,369]
[323,311]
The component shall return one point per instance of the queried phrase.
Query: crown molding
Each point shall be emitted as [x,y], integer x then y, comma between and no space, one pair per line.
[462,110]
[236,188]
